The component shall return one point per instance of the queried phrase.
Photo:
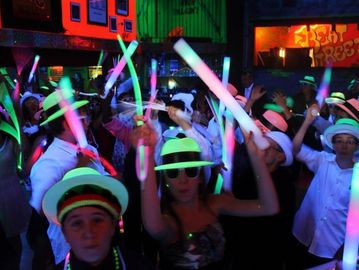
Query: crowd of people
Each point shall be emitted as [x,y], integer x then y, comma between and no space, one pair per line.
[81,205]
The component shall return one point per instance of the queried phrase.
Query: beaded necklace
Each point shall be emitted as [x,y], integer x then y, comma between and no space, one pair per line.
[116,255]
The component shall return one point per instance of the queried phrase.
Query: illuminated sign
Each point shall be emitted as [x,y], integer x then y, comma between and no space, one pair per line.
[100,19]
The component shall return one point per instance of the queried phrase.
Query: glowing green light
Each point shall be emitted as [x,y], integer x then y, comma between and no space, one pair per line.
[219,184]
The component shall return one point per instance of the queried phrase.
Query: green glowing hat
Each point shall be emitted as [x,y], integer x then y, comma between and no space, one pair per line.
[52,100]
[273,107]
[182,148]
[342,126]
[335,97]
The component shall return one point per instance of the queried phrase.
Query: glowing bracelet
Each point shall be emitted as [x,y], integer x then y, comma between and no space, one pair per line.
[352,227]
[34,66]
[120,65]
[215,85]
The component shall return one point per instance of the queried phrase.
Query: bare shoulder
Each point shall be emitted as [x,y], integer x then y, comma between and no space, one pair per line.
[218,201]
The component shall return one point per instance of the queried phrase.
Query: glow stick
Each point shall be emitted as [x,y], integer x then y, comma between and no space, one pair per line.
[142,151]
[71,115]
[153,76]
[124,87]
[225,75]
[351,243]
[6,127]
[155,106]
[227,151]
[7,77]
[215,85]
[120,65]
[16,93]
[9,107]
[34,66]
[99,63]
[323,90]
[219,184]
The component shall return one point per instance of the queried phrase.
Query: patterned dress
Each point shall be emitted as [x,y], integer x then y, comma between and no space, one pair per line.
[200,250]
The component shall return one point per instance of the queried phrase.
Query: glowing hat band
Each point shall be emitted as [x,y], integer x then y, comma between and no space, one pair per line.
[87,200]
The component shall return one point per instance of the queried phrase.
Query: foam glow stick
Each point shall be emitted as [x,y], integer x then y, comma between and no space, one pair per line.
[219,184]
[99,63]
[120,65]
[70,114]
[9,129]
[34,66]
[153,82]
[142,151]
[7,77]
[9,107]
[225,76]
[351,243]
[215,85]
[16,93]
[323,90]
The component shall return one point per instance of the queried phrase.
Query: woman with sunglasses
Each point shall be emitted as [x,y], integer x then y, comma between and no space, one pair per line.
[185,220]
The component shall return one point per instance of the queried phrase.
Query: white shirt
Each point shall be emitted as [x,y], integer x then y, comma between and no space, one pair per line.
[59,158]
[320,221]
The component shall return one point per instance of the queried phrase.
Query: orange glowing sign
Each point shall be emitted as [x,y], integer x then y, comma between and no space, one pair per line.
[337,44]
[100,19]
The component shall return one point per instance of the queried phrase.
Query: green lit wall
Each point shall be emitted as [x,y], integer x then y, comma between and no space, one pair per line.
[160,19]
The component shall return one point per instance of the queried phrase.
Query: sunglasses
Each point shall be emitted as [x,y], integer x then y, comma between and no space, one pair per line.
[190,172]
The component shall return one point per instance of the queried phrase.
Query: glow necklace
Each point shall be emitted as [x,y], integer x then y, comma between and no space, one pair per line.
[116,254]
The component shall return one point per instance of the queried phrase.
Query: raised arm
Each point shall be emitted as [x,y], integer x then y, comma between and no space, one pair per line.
[267,202]
[152,218]
[309,118]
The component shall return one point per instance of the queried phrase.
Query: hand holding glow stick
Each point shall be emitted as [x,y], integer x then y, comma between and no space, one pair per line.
[142,151]
[215,85]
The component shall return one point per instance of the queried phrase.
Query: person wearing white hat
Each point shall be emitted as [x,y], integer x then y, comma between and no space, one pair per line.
[61,156]
[320,222]
[185,128]
[246,237]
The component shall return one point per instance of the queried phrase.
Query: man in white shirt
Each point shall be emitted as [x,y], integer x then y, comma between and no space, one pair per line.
[61,156]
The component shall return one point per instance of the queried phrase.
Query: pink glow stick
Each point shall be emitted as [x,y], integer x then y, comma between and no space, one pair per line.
[215,85]
[119,67]
[153,76]
[323,90]
[33,69]
[352,228]
[71,115]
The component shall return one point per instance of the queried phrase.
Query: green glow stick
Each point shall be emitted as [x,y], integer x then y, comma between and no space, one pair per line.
[141,163]
[9,107]
[219,184]
[136,84]
[3,72]
[7,128]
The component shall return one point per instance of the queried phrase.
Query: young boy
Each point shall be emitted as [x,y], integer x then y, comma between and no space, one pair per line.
[320,222]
